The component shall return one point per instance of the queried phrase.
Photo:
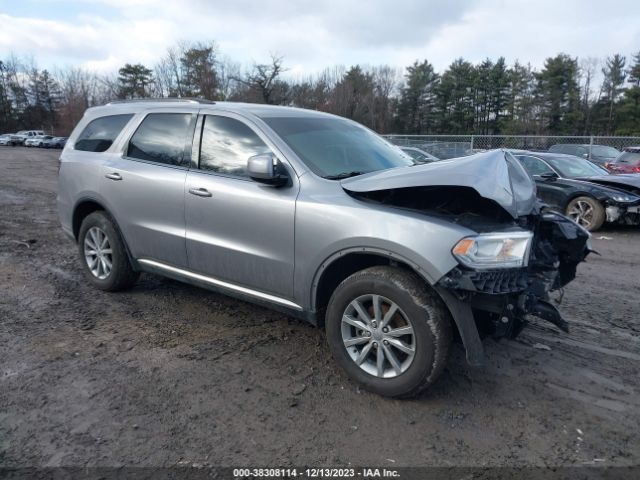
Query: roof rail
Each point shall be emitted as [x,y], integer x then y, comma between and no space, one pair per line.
[163,100]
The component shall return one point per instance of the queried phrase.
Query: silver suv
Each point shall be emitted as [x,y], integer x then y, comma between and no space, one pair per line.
[319,217]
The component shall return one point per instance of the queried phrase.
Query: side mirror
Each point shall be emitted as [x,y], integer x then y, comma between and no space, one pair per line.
[266,168]
[550,176]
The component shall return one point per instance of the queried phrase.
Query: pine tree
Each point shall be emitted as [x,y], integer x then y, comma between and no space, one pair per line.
[7,120]
[628,113]
[612,86]
[415,106]
[200,78]
[520,112]
[354,96]
[455,98]
[558,95]
[483,89]
[134,81]
[500,95]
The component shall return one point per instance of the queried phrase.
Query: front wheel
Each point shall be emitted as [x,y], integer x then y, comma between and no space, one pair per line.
[586,212]
[388,331]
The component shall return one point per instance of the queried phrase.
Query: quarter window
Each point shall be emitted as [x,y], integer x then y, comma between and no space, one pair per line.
[161,138]
[100,133]
[227,145]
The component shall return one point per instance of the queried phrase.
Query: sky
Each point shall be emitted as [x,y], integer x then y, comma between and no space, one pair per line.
[103,35]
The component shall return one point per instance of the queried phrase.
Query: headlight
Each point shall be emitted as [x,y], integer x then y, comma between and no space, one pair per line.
[494,250]
[622,198]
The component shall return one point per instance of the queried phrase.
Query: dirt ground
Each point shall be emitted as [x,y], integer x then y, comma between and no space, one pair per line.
[168,374]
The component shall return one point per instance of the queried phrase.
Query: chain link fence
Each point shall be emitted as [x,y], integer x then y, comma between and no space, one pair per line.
[449,146]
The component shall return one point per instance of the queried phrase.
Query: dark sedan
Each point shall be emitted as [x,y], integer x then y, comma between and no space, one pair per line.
[55,142]
[600,154]
[582,190]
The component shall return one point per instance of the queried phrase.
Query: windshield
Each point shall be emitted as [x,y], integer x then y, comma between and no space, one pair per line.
[572,167]
[336,148]
[602,151]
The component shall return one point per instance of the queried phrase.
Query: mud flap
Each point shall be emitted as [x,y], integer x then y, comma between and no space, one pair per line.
[463,316]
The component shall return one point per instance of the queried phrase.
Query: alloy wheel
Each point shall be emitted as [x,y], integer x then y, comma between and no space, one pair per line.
[98,253]
[378,336]
[582,213]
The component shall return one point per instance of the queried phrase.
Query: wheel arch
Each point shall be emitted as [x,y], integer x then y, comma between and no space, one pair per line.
[81,210]
[343,263]
[583,193]
[88,205]
[346,262]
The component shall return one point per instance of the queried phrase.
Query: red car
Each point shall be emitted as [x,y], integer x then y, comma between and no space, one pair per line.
[627,162]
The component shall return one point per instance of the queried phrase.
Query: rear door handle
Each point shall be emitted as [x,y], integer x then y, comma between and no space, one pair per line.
[200,192]
[113,176]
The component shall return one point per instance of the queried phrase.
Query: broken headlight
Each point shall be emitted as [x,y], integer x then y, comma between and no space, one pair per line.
[624,198]
[494,250]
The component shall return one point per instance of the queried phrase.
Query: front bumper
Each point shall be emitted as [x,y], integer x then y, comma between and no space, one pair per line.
[626,214]
[502,299]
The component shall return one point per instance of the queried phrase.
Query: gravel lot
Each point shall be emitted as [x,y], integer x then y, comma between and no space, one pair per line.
[169,374]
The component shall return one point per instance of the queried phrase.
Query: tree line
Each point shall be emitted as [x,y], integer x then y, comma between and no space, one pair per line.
[566,96]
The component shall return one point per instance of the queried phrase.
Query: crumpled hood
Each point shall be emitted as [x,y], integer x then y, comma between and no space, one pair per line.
[622,181]
[495,175]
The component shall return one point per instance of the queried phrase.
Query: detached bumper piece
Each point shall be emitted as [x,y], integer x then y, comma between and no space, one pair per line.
[502,299]
[549,312]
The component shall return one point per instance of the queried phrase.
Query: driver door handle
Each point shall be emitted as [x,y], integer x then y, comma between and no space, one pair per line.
[200,192]
[113,176]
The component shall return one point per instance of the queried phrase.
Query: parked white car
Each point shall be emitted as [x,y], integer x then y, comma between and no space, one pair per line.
[8,140]
[37,141]
[23,135]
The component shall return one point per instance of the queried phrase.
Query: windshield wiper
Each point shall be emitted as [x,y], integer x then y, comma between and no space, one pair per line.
[339,176]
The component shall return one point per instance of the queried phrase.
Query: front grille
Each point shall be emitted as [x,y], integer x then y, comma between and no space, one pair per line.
[510,280]
[499,281]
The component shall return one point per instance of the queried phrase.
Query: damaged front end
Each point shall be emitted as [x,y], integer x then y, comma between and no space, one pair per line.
[521,253]
[502,299]
[623,214]
[622,198]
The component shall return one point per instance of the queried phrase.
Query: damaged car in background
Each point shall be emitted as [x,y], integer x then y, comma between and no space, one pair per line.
[319,217]
[582,190]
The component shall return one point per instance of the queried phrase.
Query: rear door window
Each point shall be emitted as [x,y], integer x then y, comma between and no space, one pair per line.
[100,133]
[534,166]
[162,138]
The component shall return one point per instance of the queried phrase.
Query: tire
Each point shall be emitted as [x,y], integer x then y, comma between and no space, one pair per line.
[121,274]
[417,307]
[587,212]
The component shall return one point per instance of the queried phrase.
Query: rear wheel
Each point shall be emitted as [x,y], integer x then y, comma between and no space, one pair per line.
[586,212]
[388,331]
[103,254]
